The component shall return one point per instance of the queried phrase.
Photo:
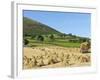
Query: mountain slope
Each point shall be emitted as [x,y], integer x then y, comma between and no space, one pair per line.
[32,27]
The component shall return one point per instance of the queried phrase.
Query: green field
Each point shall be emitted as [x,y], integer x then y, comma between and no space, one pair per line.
[56,42]
[39,34]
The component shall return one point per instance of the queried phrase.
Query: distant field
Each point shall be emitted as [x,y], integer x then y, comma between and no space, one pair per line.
[57,42]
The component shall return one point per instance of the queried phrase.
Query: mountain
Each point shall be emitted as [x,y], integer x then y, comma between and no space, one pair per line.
[32,27]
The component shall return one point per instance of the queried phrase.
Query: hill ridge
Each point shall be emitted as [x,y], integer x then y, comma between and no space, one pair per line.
[31,27]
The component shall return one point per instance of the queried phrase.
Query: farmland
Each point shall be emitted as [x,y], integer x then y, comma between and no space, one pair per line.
[45,47]
[54,56]
[57,42]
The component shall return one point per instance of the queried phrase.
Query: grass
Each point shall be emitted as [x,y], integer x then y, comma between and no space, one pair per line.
[67,44]
[57,42]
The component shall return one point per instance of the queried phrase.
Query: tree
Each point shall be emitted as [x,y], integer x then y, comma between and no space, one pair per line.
[33,36]
[26,41]
[40,38]
[83,39]
[74,36]
[51,37]
[70,34]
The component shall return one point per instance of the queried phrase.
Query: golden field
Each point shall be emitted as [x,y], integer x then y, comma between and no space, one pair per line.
[53,57]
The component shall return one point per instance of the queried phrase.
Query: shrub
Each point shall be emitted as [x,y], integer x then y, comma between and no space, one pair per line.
[26,41]
[51,37]
[40,38]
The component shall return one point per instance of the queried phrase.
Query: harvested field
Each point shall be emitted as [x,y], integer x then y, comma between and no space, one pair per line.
[53,57]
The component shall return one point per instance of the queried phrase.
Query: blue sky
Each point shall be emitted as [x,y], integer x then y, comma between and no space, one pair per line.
[65,22]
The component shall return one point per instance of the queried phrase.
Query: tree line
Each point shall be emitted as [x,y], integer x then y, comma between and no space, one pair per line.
[51,37]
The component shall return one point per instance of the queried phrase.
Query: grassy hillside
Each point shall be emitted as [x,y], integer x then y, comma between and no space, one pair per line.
[39,34]
[32,27]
